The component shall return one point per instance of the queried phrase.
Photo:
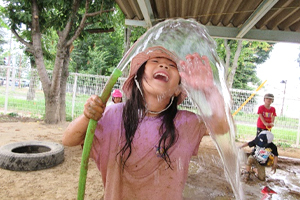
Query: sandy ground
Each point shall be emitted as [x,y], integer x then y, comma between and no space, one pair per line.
[206,178]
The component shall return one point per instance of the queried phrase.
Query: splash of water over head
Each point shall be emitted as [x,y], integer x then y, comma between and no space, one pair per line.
[183,37]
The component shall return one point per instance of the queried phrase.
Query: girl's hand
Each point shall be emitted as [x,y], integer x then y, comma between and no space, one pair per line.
[93,108]
[196,72]
[197,79]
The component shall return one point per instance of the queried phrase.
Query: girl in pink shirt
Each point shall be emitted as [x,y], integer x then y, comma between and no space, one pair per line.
[143,146]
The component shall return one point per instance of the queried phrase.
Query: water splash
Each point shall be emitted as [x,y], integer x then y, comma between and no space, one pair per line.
[187,37]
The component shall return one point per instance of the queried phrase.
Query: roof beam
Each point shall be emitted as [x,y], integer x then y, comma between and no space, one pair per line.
[131,22]
[254,34]
[230,33]
[147,12]
[261,10]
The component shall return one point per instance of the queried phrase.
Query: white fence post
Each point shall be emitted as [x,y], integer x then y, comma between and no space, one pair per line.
[6,90]
[298,134]
[74,95]
[13,78]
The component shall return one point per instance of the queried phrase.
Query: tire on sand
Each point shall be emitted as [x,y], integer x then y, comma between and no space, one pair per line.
[31,155]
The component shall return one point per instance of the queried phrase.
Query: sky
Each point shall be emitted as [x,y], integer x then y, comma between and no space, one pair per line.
[282,64]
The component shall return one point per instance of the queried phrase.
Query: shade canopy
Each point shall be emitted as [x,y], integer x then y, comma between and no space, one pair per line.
[262,20]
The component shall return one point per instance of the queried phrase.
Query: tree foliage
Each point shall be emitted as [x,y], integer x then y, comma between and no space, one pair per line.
[252,53]
[101,53]
[2,39]
[2,42]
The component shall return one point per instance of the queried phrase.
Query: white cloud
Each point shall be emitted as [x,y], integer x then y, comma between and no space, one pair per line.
[282,64]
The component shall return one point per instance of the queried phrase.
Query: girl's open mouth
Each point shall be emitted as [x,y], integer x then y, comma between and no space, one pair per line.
[161,76]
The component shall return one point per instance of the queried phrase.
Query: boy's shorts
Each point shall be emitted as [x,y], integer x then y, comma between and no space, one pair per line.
[260,130]
[261,174]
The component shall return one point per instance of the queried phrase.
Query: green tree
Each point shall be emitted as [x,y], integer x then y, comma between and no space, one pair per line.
[100,55]
[2,41]
[240,59]
[31,20]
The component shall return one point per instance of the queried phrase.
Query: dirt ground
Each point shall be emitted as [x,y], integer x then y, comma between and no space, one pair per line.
[206,178]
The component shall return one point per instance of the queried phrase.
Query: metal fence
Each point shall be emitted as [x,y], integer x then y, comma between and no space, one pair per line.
[23,96]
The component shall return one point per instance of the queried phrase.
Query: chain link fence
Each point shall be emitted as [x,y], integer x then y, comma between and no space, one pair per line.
[22,95]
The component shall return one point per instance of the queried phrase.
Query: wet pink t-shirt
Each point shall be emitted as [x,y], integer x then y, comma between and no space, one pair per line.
[146,175]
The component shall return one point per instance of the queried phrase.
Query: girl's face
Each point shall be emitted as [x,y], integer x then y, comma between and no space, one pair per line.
[117,99]
[161,78]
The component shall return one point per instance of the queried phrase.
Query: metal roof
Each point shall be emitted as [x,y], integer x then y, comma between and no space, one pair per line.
[265,20]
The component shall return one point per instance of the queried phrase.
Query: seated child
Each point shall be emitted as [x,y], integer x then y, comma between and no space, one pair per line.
[264,154]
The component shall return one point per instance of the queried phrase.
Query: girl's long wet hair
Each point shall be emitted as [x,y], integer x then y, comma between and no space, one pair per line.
[134,112]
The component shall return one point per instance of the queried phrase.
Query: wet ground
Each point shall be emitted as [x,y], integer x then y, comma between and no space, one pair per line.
[207,181]
[206,178]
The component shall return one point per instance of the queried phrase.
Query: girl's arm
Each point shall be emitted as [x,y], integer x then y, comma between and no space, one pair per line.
[76,130]
[217,121]
[197,78]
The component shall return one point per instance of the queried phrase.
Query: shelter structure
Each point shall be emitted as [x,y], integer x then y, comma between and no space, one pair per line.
[262,20]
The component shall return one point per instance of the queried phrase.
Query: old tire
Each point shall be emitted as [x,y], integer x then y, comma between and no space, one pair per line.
[31,155]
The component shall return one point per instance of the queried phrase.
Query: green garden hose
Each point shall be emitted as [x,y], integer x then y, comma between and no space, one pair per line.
[90,135]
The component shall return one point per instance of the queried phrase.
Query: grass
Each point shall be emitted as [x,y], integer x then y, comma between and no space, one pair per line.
[36,108]
[282,136]
[29,108]
[279,121]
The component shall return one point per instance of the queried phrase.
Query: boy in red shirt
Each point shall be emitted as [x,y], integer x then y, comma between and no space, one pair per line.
[266,114]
